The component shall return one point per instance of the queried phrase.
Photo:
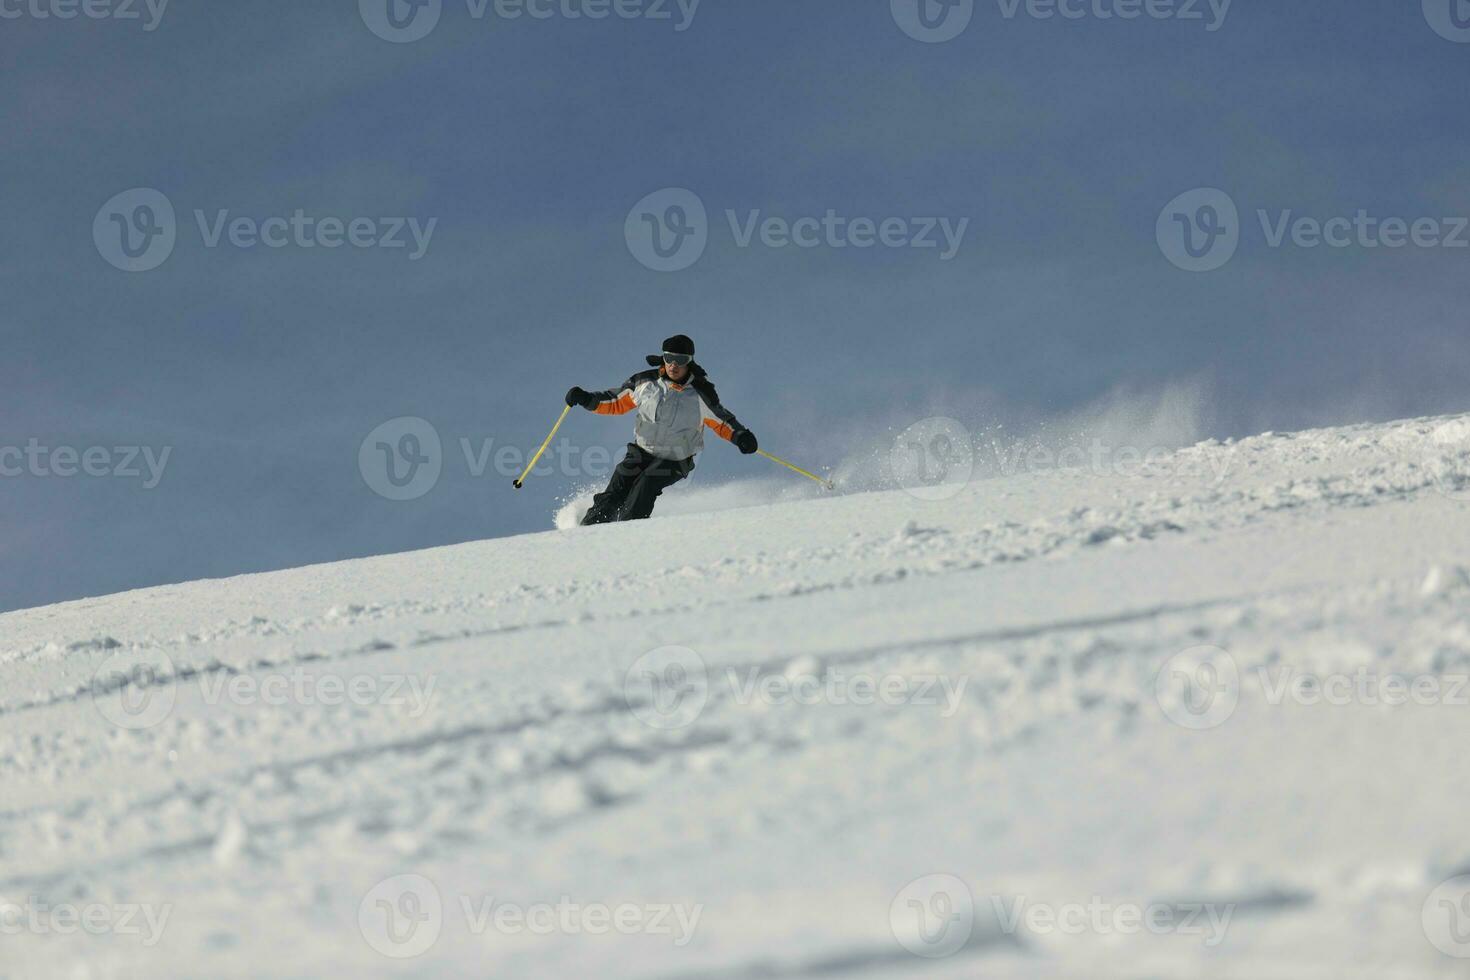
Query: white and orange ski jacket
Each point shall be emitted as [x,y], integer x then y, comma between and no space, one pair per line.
[671,417]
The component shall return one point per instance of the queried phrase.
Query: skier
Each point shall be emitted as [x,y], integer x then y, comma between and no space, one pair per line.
[674,401]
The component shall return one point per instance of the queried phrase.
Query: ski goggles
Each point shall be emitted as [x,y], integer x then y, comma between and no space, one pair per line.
[682,360]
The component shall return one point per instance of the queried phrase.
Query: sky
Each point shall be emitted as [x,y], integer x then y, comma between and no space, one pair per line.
[246,246]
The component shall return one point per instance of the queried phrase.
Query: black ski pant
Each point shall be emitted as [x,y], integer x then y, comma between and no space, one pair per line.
[635,485]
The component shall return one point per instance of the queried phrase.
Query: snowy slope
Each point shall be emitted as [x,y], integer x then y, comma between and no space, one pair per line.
[647,750]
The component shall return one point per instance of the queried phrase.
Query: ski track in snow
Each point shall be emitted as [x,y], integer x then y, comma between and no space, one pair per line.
[525,773]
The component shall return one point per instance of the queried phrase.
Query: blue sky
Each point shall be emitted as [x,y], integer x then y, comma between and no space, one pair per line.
[528,141]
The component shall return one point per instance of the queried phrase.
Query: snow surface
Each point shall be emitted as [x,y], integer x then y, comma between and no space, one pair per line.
[597,718]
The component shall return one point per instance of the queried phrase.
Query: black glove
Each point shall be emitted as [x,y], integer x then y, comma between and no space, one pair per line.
[576,396]
[744,441]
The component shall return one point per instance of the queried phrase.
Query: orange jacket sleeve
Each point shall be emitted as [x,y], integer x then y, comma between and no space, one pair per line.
[621,405]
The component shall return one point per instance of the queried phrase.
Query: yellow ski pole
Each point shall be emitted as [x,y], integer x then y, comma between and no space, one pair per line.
[826,484]
[551,435]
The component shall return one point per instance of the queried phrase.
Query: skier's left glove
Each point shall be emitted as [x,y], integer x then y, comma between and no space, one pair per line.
[576,396]
[744,441]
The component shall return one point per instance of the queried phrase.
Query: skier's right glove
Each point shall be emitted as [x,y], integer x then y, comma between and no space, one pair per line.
[576,396]
[744,441]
